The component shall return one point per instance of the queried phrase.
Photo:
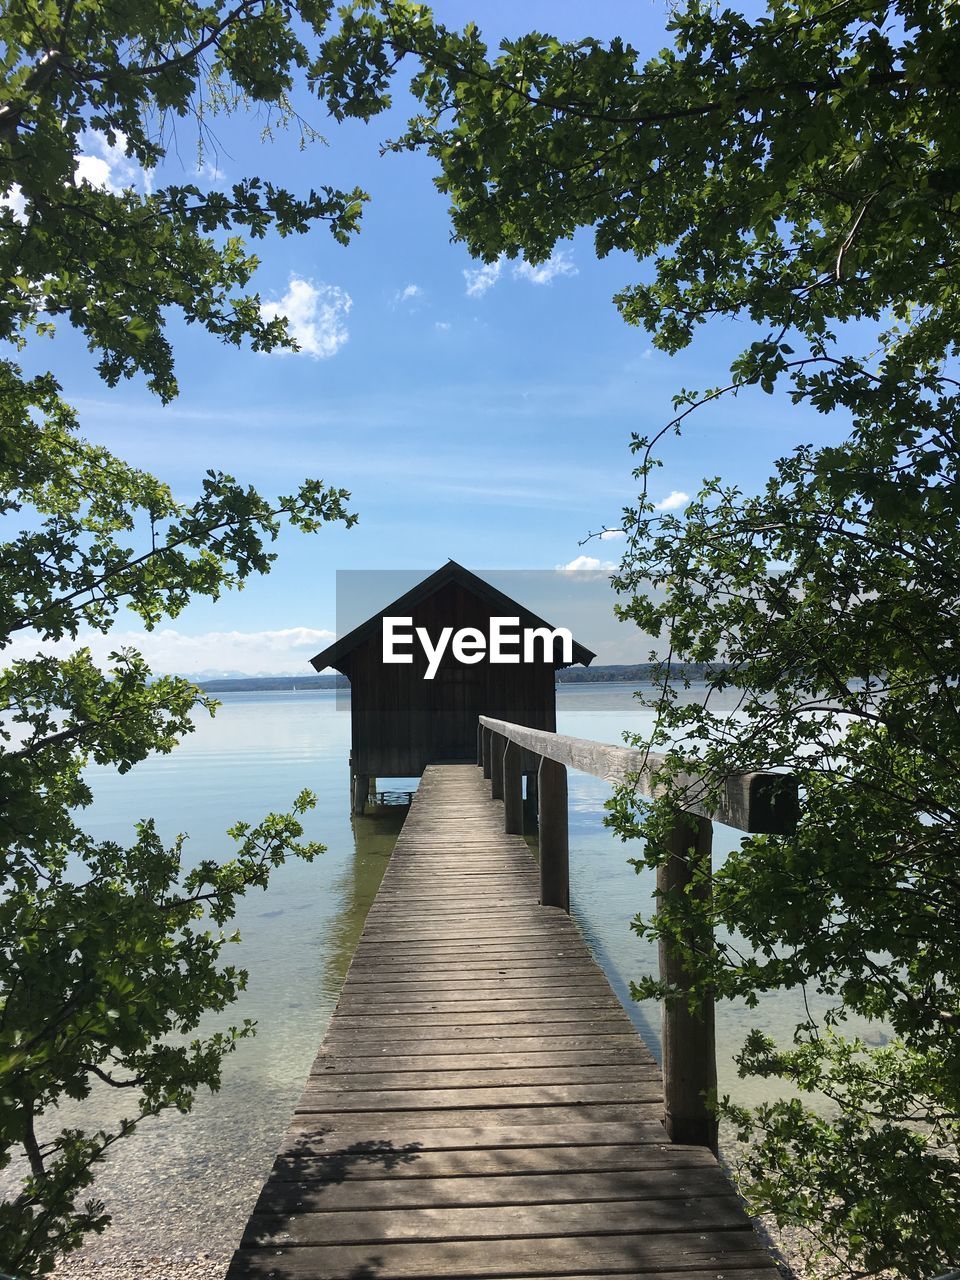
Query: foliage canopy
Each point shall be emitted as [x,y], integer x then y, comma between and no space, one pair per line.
[106,966]
[799,171]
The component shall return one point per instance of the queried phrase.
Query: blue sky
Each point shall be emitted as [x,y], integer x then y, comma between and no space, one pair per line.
[483,419]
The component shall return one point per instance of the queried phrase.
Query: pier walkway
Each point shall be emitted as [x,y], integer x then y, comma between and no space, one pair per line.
[481,1105]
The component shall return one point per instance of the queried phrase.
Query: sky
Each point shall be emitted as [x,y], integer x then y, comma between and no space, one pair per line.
[477,413]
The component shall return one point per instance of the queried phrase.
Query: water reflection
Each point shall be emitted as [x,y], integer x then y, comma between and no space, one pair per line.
[606,893]
[374,836]
[189,1182]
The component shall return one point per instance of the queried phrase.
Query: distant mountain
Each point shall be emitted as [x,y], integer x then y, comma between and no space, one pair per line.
[638,673]
[247,684]
[221,673]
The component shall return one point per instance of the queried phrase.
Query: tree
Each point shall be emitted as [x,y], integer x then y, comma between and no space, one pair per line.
[105,964]
[800,171]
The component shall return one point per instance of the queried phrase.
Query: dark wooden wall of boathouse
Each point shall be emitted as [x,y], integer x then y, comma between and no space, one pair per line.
[402,722]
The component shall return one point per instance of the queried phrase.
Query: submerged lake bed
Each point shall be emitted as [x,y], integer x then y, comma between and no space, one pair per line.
[186,1184]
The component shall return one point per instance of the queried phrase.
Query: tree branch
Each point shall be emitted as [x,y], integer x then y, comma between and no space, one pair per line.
[182,59]
[105,1076]
[30,1144]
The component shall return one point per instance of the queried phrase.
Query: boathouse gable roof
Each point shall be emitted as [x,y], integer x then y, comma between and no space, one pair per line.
[338,654]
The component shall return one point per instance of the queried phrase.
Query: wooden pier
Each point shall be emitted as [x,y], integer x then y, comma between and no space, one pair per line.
[481,1105]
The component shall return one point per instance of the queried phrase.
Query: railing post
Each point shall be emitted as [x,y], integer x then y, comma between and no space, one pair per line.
[487,735]
[554,837]
[479,745]
[512,789]
[531,803]
[689,1045]
[361,789]
[497,744]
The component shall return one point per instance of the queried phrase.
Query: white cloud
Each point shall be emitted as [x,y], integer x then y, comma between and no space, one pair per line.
[408,294]
[315,314]
[106,166]
[480,279]
[210,172]
[673,500]
[284,652]
[442,326]
[14,201]
[96,171]
[560,263]
[586,562]
[612,535]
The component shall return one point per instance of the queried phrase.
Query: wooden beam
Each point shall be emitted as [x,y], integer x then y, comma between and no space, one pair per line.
[689,1041]
[497,744]
[531,801]
[757,802]
[487,735]
[512,789]
[361,789]
[554,835]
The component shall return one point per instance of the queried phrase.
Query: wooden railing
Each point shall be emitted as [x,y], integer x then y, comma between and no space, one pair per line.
[753,802]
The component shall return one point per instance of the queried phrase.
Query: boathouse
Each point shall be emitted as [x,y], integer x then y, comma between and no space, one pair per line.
[401,722]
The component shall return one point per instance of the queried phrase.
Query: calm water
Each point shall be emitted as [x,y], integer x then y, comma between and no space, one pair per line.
[188,1182]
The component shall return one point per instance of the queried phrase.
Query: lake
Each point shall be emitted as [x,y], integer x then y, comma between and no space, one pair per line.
[188,1182]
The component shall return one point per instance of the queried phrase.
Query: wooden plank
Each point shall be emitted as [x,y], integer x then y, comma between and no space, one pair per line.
[542,950]
[628,1057]
[401,1020]
[491,1075]
[484,971]
[404,984]
[481,1038]
[317,1096]
[383,975]
[461,989]
[483,909]
[493,1116]
[373,1007]
[358,1163]
[393,1137]
[723,1273]
[482,1105]
[330,1194]
[513,996]
[550,944]
[506,933]
[715,1252]
[499,1222]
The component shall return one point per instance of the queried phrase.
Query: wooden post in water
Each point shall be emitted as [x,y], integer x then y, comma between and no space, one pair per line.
[689,1045]
[361,789]
[487,735]
[554,837]
[512,789]
[497,744]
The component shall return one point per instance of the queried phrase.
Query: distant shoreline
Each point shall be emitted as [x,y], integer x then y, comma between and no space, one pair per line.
[638,673]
